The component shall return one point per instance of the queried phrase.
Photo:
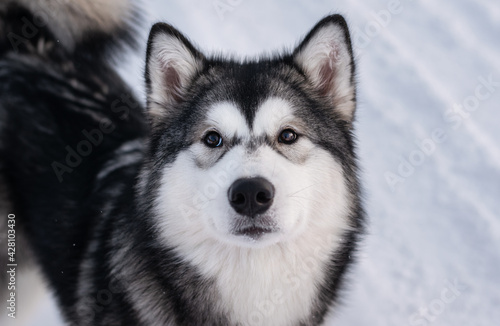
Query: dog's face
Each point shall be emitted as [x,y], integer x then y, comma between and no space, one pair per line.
[250,153]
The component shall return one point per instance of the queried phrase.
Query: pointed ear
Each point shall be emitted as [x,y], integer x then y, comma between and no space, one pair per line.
[172,63]
[326,58]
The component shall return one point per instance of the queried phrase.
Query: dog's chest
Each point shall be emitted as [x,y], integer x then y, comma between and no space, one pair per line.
[268,287]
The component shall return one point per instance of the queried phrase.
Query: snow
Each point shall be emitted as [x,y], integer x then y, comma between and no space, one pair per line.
[432,255]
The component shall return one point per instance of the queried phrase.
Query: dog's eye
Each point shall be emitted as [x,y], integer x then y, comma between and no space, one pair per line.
[287,136]
[213,139]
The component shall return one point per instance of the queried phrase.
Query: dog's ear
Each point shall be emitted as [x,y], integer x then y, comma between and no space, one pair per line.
[325,56]
[172,63]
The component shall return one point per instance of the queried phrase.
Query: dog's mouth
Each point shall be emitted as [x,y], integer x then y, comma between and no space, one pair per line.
[255,229]
[254,232]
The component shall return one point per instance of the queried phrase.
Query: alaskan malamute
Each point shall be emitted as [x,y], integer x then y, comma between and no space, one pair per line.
[231,199]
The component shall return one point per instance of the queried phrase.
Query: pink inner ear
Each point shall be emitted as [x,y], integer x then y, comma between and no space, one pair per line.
[326,74]
[328,69]
[172,83]
[335,53]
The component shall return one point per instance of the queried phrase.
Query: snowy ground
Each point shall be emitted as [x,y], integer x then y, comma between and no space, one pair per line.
[432,255]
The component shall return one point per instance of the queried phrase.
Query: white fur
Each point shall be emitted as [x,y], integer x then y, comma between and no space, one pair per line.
[328,48]
[168,52]
[227,119]
[69,20]
[273,280]
[274,115]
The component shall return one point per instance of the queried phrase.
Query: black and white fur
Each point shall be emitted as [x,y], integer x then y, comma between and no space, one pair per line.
[142,231]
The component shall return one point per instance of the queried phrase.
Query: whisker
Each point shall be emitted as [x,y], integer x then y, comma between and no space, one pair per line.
[310,199]
[303,189]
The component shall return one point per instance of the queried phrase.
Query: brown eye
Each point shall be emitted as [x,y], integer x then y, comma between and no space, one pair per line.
[213,139]
[287,136]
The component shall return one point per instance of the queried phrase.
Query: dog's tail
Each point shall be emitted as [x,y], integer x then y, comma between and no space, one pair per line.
[46,49]
[87,27]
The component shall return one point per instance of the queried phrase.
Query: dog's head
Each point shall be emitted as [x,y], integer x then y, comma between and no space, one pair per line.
[255,152]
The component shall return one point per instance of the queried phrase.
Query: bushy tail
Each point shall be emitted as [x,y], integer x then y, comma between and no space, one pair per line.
[46,46]
[87,27]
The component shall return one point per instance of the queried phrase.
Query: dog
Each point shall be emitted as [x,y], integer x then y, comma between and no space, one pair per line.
[232,198]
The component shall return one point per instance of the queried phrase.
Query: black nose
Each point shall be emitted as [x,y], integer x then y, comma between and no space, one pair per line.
[251,196]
